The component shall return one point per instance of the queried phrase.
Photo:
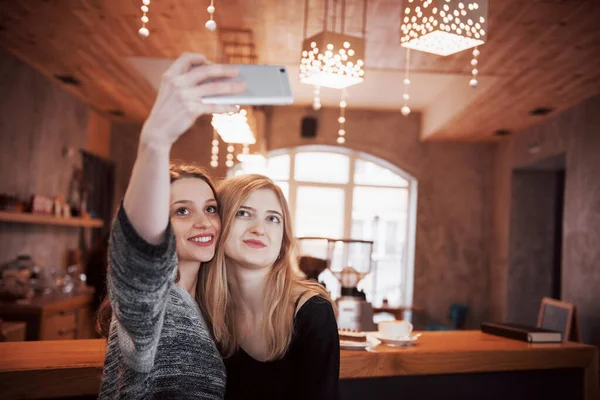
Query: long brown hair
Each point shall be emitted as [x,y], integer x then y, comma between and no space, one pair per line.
[218,297]
[177,170]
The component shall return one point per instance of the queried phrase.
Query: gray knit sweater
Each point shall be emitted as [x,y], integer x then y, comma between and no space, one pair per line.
[159,346]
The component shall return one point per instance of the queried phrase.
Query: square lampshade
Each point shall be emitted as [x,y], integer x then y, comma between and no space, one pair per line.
[235,128]
[444,27]
[332,60]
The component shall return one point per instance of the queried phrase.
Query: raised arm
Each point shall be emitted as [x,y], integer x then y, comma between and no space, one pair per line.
[177,106]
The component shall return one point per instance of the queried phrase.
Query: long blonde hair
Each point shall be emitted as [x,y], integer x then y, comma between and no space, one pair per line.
[283,286]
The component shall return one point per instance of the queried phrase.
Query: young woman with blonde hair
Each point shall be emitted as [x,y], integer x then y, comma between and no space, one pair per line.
[277,332]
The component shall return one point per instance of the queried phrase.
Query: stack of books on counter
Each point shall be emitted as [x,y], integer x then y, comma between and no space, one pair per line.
[525,333]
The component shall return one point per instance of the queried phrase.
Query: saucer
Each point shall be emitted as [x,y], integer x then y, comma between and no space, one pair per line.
[405,341]
[349,345]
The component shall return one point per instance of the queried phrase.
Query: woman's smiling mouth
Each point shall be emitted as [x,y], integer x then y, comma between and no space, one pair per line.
[202,240]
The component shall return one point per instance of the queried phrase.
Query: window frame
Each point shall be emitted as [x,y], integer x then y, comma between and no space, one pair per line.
[408,260]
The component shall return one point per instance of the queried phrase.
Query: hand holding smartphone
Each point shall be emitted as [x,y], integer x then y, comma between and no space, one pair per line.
[266,85]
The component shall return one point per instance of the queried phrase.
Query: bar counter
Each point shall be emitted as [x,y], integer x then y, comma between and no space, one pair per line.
[462,364]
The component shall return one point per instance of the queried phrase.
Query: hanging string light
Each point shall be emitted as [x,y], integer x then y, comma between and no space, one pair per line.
[342,119]
[473,82]
[317,98]
[245,149]
[405,110]
[144,32]
[211,25]
[230,150]
[214,158]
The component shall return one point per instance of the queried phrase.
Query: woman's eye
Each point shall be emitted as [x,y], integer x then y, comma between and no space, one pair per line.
[274,218]
[242,213]
[211,209]
[182,211]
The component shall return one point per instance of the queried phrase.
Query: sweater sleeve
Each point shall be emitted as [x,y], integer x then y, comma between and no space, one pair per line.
[139,278]
[318,354]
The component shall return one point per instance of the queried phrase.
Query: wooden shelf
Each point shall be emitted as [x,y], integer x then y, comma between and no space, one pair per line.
[26,218]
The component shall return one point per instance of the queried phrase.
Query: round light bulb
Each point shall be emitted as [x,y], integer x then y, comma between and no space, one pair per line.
[343,104]
[407,81]
[405,110]
[144,32]
[341,140]
[215,142]
[210,9]
[214,164]
[211,25]
[473,83]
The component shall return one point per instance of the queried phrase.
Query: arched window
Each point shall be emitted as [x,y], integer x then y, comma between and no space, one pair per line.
[340,193]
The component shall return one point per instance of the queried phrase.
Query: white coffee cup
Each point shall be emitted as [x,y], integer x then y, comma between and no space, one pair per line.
[394,329]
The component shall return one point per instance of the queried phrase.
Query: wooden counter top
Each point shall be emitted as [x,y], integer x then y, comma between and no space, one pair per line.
[448,352]
[52,364]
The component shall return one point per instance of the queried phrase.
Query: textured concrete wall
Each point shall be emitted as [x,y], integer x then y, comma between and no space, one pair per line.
[575,132]
[38,120]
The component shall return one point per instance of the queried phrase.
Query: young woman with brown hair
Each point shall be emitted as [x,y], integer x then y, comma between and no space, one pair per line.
[159,346]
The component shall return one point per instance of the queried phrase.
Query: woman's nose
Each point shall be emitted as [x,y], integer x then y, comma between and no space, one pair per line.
[201,221]
[258,228]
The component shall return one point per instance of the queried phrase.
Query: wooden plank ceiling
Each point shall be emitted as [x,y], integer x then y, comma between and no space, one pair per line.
[546,53]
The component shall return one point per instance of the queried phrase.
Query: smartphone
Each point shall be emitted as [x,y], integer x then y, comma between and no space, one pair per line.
[267,85]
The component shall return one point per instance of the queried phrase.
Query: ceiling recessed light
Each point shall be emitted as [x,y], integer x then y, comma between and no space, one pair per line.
[501,132]
[68,79]
[541,111]
[116,113]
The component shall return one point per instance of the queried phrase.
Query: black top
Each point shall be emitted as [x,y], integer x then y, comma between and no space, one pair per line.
[309,370]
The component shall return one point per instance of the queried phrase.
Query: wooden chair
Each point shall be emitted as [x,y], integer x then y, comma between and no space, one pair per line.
[559,316]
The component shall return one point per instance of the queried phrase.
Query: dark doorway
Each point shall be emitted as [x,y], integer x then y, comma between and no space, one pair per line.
[535,241]
[99,178]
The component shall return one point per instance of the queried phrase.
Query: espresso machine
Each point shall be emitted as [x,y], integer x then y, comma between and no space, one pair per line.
[349,261]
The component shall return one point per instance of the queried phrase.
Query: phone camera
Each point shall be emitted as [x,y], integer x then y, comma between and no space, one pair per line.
[282,70]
